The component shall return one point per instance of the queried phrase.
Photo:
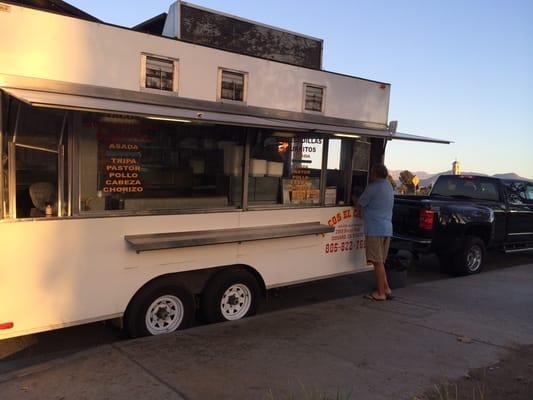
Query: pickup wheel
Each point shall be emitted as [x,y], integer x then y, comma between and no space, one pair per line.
[470,259]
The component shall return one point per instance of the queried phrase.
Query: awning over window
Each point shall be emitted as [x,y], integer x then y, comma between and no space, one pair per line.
[75,102]
[67,101]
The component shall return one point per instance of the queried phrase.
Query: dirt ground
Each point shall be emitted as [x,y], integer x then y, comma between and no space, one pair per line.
[510,379]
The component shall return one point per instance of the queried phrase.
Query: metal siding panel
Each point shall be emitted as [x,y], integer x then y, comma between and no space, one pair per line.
[212,29]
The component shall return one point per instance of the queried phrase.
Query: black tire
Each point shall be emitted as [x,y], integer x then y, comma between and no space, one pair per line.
[135,319]
[471,258]
[215,293]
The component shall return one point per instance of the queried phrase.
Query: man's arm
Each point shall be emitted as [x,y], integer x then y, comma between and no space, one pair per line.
[361,202]
[365,198]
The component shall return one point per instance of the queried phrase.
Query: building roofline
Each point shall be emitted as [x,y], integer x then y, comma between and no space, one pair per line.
[76,12]
[197,44]
[148,21]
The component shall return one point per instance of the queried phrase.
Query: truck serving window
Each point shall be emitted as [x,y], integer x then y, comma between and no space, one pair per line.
[360,166]
[36,161]
[340,154]
[285,168]
[476,188]
[138,164]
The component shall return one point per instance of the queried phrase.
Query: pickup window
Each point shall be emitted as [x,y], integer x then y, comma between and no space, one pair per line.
[464,187]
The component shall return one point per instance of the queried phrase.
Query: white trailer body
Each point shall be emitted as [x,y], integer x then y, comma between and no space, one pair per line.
[76,106]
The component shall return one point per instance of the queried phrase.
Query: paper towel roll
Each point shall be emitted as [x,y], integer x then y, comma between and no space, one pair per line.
[258,168]
[275,169]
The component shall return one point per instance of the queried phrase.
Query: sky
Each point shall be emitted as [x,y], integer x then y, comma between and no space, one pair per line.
[459,70]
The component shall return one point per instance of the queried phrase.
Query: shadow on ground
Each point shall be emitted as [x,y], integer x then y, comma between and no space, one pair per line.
[31,350]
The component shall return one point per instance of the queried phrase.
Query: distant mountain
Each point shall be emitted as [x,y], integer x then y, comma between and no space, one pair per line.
[433,178]
[427,179]
[511,175]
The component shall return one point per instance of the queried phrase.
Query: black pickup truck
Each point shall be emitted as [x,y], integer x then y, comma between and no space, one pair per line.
[462,217]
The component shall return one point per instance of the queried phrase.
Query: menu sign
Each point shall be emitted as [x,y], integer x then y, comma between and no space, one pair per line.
[120,167]
[306,155]
[301,186]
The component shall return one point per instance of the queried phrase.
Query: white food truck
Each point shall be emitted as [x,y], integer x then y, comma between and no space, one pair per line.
[186,165]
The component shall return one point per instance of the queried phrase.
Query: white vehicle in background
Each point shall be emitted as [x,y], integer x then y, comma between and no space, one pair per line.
[151,173]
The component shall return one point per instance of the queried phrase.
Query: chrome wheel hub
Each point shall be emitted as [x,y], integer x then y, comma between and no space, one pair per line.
[474,258]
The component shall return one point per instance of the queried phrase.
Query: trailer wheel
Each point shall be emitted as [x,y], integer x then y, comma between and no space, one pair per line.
[470,259]
[230,296]
[157,311]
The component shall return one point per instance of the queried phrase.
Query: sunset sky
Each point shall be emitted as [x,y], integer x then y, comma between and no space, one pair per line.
[460,70]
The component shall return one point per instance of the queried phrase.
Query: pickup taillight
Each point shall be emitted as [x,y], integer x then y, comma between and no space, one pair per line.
[426,220]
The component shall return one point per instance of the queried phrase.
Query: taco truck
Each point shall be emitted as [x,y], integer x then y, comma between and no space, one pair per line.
[188,164]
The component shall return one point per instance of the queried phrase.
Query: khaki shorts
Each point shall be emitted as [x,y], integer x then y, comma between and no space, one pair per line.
[377,248]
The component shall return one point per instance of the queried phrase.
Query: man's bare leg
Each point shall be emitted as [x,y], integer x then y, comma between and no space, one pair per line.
[388,290]
[383,289]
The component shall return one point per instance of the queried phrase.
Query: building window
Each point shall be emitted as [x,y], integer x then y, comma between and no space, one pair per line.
[232,85]
[159,74]
[285,169]
[313,98]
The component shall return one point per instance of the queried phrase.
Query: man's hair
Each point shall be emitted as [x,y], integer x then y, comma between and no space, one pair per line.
[380,170]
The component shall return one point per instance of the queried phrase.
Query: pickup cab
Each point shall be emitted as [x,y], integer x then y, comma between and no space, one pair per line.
[462,217]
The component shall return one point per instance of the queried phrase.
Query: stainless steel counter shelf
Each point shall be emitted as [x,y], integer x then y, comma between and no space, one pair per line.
[176,240]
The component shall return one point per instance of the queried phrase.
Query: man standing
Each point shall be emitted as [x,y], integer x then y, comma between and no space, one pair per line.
[376,204]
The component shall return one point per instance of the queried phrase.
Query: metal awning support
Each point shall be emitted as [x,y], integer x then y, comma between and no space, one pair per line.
[177,240]
[416,138]
[177,114]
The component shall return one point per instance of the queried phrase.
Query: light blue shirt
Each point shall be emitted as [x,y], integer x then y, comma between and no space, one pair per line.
[377,202]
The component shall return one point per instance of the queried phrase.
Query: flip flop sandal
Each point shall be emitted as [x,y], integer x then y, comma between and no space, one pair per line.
[371,297]
[389,296]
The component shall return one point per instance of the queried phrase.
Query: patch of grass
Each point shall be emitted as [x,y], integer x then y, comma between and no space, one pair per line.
[450,391]
[310,395]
